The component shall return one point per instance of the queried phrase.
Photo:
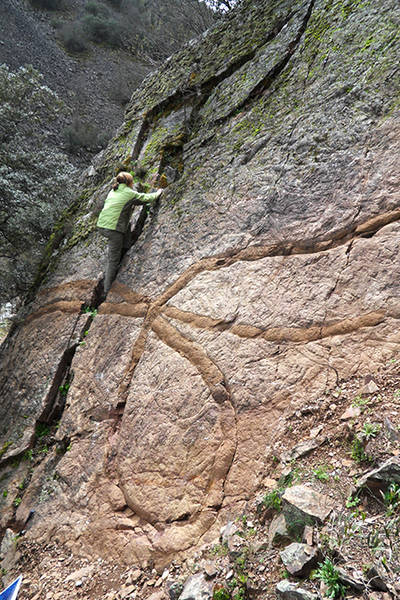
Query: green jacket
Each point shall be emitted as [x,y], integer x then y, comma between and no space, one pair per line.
[119,205]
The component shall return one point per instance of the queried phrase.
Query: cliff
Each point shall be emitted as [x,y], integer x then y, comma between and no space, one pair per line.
[266,276]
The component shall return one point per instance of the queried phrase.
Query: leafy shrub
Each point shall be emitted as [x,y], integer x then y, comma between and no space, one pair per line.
[273,500]
[48,4]
[102,30]
[357,451]
[115,3]
[370,430]
[328,573]
[391,499]
[36,180]
[97,9]
[83,135]
[73,38]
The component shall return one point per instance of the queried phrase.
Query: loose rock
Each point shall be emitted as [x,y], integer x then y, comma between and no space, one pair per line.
[299,559]
[291,591]
[197,588]
[304,506]
[381,477]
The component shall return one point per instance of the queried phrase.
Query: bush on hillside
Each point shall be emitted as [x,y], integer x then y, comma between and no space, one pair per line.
[48,4]
[80,135]
[102,30]
[73,38]
[97,9]
[115,3]
[36,180]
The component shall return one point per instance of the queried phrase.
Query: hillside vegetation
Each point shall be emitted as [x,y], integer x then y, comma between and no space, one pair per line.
[88,57]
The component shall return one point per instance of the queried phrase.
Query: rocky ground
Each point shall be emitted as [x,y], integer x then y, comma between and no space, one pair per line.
[327,447]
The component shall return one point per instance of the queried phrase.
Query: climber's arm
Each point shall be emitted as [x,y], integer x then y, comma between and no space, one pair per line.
[140,198]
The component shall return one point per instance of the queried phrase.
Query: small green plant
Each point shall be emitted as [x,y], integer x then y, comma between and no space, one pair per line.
[273,500]
[357,451]
[352,502]
[5,493]
[284,574]
[221,593]
[4,448]
[360,401]
[17,501]
[88,310]
[28,455]
[42,429]
[328,573]
[220,550]
[321,473]
[391,499]
[241,561]
[63,389]
[370,430]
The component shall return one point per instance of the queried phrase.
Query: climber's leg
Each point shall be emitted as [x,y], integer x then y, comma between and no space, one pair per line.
[115,244]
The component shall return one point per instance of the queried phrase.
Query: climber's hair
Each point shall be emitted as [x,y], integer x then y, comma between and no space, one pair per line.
[123,177]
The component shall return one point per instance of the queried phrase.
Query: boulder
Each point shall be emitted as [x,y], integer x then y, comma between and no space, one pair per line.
[382,477]
[356,581]
[197,587]
[302,449]
[304,506]
[390,430]
[210,569]
[292,591]
[376,579]
[278,532]
[299,559]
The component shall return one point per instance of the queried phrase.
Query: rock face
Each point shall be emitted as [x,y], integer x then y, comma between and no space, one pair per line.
[267,273]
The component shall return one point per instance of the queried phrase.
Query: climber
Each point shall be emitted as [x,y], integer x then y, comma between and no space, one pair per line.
[114,220]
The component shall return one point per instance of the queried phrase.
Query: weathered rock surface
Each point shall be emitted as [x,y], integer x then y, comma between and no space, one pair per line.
[278,532]
[381,477]
[292,591]
[302,449]
[299,559]
[304,506]
[197,588]
[267,272]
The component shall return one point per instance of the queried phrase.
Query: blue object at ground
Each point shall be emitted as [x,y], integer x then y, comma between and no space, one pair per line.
[11,592]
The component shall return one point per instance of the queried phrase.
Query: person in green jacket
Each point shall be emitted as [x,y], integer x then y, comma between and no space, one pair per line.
[114,220]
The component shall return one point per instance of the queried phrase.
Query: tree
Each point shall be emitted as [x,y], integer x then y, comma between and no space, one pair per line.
[155,29]
[36,180]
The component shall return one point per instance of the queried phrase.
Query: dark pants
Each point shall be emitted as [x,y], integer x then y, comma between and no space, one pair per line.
[117,241]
